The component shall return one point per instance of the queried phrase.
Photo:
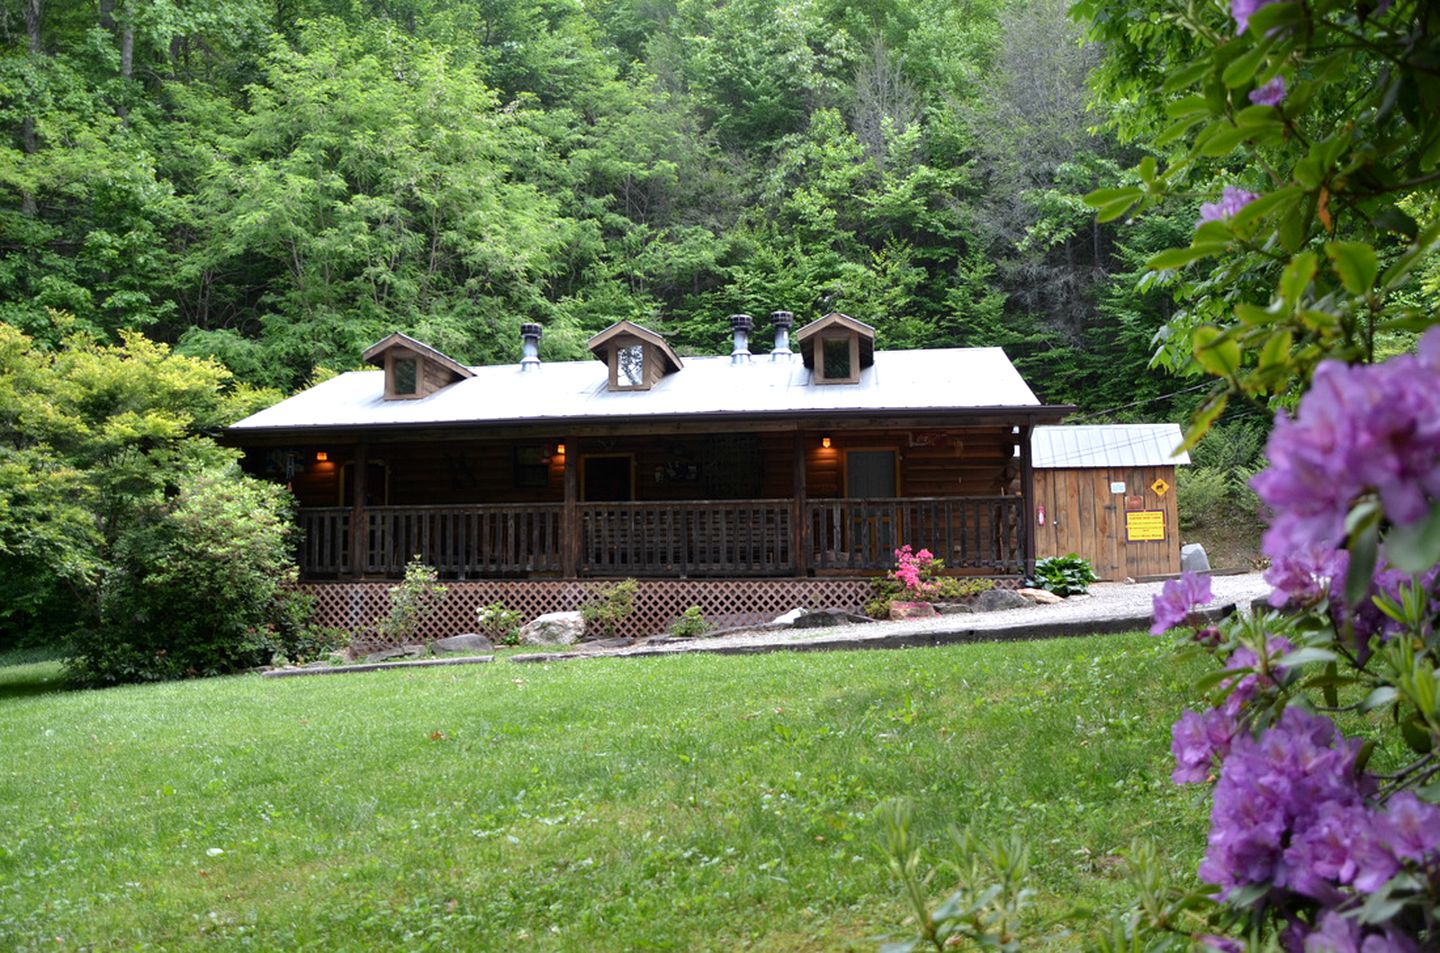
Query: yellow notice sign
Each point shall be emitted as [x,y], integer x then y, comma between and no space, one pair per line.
[1144,526]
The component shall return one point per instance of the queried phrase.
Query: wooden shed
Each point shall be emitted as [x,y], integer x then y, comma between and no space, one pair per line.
[1107,492]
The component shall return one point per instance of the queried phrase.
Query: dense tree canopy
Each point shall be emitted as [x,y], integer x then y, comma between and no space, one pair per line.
[276,183]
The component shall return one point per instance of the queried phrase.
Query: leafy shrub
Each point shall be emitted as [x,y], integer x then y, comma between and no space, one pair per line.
[502,625]
[1064,575]
[690,624]
[412,602]
[886,589]
[196,586]
[1202,492]
[608,605]
[986,911]
[296,639]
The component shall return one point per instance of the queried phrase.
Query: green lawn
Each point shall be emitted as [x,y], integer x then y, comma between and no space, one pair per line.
[683,803]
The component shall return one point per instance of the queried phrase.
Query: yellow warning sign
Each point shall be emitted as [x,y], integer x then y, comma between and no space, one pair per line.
[1160,486]
[1144,526]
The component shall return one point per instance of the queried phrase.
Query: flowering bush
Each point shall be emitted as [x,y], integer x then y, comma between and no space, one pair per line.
[1307,841]
[1311,133]
[916,572]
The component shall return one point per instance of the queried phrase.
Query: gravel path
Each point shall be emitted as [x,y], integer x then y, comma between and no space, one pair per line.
[1110,607]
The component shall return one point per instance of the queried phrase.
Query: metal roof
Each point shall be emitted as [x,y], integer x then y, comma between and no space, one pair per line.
[959,379]
[1107,445]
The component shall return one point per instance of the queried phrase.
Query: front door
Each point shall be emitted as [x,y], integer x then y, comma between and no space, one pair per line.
[609,478]
[870,474]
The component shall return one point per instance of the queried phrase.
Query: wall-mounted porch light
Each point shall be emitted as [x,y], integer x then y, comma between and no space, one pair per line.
[560,450]
[825,442]
[321,456]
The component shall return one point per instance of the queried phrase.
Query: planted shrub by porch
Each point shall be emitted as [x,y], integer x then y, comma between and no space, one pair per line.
[197,586]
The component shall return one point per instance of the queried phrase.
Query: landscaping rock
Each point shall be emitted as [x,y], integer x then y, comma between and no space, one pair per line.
[825,618]
[404,651]
[1193,558]
[1043,597]
[464,644]
[911,610]
[789,617]
[994,600]
[553,628]
[615,643]
[953,608]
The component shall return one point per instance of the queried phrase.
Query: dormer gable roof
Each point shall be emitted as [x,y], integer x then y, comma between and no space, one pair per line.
[375,353]
[599,345]
[836,322]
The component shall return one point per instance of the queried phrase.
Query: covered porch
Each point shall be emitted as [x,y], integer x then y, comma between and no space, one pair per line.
[685,539]
[779,502]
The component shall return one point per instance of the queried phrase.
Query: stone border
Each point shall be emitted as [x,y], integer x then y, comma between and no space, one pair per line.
[897,640]
[376,666]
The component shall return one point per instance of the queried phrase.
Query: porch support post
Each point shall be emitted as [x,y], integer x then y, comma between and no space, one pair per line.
[570,515]
[359,528]
[1027,496]
[799,527]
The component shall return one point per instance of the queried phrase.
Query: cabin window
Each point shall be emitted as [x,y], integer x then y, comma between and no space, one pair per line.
[630,366]
[838,360]
[405,376]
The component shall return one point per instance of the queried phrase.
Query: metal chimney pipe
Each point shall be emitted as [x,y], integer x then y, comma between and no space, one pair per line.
[783,322]
[530,342]
[741,324]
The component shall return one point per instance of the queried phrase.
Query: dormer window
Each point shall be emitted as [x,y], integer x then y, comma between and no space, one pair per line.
[413,370]
[637,358]
[630,366]
[836,348]
[839,360]
[403,369]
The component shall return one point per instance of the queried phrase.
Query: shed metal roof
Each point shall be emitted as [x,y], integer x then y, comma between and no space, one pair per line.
[959,379]
[1107,445]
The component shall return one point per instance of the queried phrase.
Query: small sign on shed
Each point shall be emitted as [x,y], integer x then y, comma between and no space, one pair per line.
[1145,526]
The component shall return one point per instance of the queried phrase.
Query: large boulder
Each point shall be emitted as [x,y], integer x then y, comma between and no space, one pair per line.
[953,608]
[465,644]
[553,628]
[1193,558]
[1043,597]
[397,654]
[825,618]
[911,610]
[994,600]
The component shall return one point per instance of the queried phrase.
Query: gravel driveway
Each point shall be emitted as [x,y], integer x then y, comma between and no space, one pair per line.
[1110,607]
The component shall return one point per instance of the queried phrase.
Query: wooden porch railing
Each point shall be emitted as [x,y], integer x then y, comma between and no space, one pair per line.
[700,538]
[324,540]
[967,532]
[484,540]
[730,538]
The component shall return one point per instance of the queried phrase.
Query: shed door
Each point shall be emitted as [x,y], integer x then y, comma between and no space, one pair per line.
[870,474]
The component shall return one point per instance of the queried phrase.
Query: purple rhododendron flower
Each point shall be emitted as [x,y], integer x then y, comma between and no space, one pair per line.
[1271,94]
[1410,827]
[1337,933]
[1232,200]
[1358,428]
[1302,579]
[1220,944]
[1177,597]
[1271,791]
[1243,10]
[1197,739]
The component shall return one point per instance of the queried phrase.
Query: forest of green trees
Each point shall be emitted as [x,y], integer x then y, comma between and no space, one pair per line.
[278,183]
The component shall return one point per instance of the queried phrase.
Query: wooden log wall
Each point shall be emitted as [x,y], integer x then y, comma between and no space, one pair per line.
[954,462]
[1083,515]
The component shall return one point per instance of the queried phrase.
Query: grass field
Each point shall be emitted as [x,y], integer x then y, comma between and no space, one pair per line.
[685,803]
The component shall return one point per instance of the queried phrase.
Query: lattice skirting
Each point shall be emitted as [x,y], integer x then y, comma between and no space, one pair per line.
[357,606]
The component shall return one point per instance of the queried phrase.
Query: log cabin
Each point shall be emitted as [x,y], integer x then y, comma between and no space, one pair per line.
[776,468]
